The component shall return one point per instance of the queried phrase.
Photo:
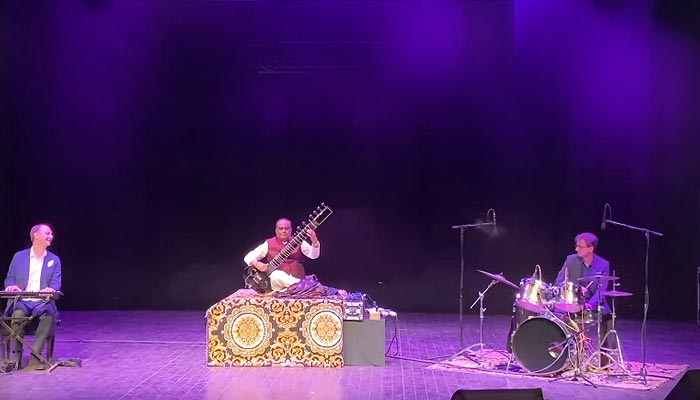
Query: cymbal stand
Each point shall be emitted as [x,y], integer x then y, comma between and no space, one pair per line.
[599,323]
[619,358]
[482,309]
[601,350]
[598,354]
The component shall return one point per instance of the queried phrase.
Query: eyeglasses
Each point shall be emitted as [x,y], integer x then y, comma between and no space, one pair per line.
[578,246]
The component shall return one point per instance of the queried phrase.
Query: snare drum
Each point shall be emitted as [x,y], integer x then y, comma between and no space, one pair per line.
[534,295]
[584,319]
[567,298]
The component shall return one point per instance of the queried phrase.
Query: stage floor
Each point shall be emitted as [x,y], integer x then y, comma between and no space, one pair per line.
[162,355]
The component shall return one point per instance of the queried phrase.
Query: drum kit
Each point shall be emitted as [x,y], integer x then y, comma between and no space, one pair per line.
[553,330]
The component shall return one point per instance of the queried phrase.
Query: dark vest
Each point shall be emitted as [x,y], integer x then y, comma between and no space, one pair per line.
[292,265]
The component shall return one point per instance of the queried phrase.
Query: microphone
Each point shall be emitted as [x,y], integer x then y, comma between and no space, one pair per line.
[602,223]
[495,229]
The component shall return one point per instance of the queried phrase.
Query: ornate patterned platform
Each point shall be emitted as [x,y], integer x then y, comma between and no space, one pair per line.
[246,329]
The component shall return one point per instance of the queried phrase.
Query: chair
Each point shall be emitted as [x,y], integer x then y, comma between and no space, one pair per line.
[30,324]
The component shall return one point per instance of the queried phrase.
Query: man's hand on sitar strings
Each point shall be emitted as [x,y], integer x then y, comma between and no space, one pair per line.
[260,266]
[312,236]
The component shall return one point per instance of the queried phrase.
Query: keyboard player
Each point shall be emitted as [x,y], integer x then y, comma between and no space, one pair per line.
[34,270]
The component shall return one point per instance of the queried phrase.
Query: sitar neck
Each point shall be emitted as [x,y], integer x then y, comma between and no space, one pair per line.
[316,218]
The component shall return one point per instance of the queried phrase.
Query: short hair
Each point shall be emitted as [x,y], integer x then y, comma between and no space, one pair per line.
[283,219]
[590,239]
[35,229]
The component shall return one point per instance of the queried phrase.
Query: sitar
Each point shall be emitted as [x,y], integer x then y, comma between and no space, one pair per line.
[259,280]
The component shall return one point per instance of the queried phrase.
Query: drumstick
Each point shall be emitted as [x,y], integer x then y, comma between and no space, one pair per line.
[588,286]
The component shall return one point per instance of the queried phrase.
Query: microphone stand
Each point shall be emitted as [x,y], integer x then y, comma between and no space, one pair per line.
[647,232]
[461,278]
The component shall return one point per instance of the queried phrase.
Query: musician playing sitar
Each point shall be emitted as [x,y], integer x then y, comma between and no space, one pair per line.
[291,271]
[34,270]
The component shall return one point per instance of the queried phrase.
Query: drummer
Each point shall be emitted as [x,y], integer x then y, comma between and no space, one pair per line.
[586,263]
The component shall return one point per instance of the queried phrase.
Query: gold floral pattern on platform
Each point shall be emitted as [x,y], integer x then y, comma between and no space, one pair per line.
[248,330]
[324,328]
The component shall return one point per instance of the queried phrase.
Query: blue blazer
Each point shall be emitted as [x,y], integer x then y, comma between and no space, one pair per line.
[577,269]
[18,273]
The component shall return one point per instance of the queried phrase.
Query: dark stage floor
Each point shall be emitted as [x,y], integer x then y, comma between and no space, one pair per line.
[162,354]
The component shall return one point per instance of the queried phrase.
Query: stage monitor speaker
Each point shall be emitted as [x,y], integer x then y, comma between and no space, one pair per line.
[499,394]
[688,387]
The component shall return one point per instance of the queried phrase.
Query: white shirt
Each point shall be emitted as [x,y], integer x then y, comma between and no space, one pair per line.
[36,264]
[280,280]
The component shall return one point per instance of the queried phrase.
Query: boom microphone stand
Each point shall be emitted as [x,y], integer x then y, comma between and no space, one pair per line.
[492,213]
[647,232]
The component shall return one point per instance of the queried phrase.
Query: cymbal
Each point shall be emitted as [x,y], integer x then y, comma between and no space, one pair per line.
[597,278]
[616,293]
[499,278]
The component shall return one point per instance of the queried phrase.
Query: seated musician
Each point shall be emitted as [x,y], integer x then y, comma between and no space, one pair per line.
[290,276]
[586,263]
[34,270]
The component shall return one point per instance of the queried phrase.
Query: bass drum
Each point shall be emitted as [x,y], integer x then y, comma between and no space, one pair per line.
[540,345]
[520,315]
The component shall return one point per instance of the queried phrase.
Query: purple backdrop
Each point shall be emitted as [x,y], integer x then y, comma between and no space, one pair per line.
[161,139]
